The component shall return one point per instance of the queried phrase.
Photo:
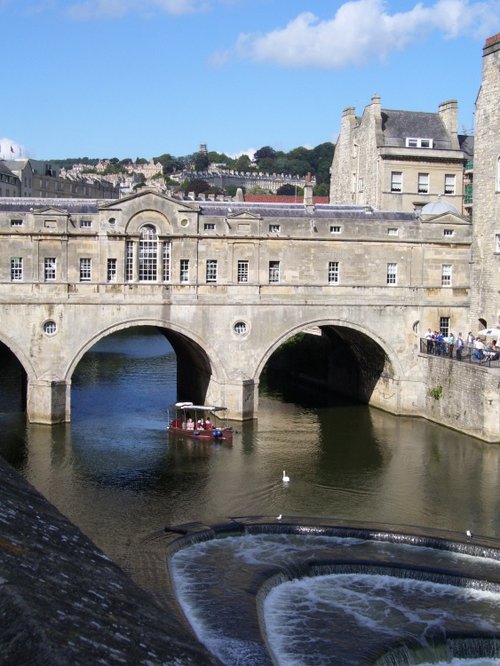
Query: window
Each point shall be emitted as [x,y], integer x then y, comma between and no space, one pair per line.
[393,231]
[16,223]
[333,272]
[85,224]
[240,328]
[111,271]
[50,327]
[361,185]
[392,273]
[446,275]
[16,269]
[85,269]
[448,232]
[167,245]
[274,272]
[444,326]
[209,226]
[396,181]
[148,254]
[423,183]
[211,271]
[49,269]
[414,142]
[449,184]
[274,228]
[129,261]
[243,270]
[184,270]
[497,241]
[335,229]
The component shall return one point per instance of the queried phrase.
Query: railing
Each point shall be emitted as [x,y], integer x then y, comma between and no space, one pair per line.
[467,354]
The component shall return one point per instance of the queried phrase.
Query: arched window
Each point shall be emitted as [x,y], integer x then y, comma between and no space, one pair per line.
[148,254]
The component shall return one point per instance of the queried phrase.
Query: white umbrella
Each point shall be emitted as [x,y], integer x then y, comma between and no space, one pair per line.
[490,332]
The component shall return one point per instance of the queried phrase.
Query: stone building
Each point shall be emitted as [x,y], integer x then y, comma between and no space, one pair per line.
[485,278]
[399,160]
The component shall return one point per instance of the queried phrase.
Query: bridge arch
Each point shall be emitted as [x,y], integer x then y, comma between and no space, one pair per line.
[201,374]
[362,357]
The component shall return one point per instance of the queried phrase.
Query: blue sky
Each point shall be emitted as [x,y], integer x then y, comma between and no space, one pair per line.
[138,78]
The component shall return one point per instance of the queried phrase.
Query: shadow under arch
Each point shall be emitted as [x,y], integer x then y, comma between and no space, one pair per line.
[17,371]
[197,367]
[356,358]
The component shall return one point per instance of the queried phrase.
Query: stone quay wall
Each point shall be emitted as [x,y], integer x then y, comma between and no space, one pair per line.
[62,601]
[463,396]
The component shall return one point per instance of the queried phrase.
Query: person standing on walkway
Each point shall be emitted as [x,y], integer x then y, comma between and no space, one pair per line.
[459,346]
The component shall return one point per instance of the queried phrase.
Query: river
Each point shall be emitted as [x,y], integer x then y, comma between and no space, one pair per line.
[114,472]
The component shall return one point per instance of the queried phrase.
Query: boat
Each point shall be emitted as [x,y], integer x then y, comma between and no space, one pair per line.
[194,421]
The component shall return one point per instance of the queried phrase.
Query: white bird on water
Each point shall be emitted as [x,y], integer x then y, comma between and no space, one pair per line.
[279,517]
[469,534]
[286,478]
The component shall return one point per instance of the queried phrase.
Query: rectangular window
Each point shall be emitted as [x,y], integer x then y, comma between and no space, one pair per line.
[111,271]
[129,261]
[333,272]
[444,326]
[423,183]
[274,272]
[449,183]
[274,228]
[242,270]
[497,240]
[16,269]
[209,226]
[335,229]
[448,232]
[211,271]
[446,275]
[16,223]
[393,231]
[414,142]
[167,245]
[49,269]
[184,270]
[392,273]
[85,224]
[396,181]
[85,269]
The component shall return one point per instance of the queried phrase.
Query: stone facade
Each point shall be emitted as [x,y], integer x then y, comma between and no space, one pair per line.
[485,301]
[399,160]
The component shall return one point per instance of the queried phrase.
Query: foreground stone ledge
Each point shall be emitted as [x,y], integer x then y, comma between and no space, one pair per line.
[63,601]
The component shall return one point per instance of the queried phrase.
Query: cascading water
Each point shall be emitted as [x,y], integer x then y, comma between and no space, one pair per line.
[308,596]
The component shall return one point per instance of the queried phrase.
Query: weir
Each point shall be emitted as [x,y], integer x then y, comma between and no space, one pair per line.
[301,592]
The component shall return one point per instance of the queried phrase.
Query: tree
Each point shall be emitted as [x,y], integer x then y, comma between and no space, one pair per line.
[197,185]
[243,163]
[201,162]
[266,152]
[287,189]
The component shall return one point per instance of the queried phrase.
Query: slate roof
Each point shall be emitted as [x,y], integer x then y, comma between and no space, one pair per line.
[398,125]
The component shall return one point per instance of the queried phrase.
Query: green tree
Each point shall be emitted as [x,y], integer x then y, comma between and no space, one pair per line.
[264,153]
[197,185]
[201,162]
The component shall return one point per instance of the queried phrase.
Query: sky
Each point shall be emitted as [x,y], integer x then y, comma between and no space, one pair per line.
[140,78]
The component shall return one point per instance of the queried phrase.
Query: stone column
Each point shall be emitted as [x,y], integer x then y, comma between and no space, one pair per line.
[240,398]
[48,401]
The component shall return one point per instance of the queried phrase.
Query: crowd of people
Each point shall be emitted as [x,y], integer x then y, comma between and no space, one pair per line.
[478,348]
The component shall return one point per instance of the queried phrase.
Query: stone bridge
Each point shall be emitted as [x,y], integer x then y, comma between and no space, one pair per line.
[228,283]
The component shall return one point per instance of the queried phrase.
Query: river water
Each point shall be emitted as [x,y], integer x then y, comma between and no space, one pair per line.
[116,474]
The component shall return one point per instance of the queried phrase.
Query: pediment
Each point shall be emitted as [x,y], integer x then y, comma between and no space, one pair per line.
[243,215]
[149,199]
[50,210]
[447,218]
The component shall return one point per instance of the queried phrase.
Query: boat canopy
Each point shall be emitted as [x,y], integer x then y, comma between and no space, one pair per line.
[188,406]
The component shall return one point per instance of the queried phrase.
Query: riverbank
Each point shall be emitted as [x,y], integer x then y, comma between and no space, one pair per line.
[63,601]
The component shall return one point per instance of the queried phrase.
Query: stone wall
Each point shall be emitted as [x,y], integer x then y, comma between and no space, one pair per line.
[463,396]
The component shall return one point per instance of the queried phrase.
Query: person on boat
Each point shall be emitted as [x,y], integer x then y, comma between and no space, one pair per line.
[199,424]
[190,424]
[208,425]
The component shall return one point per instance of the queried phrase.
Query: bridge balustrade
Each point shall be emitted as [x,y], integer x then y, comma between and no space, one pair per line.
[445,350]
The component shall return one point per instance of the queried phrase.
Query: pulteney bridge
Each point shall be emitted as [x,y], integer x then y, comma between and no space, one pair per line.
[228,283]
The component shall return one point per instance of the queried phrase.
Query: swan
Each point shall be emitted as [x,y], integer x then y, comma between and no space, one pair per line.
[286,478]
[279,517]
[468,534]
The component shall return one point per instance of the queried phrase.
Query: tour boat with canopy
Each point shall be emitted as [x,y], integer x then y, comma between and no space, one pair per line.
[194,421]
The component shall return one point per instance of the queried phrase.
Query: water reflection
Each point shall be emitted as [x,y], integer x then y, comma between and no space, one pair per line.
[116,474]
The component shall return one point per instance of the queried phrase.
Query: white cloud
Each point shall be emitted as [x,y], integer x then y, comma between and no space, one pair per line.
[10,150]
[88,9]
[363,30]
